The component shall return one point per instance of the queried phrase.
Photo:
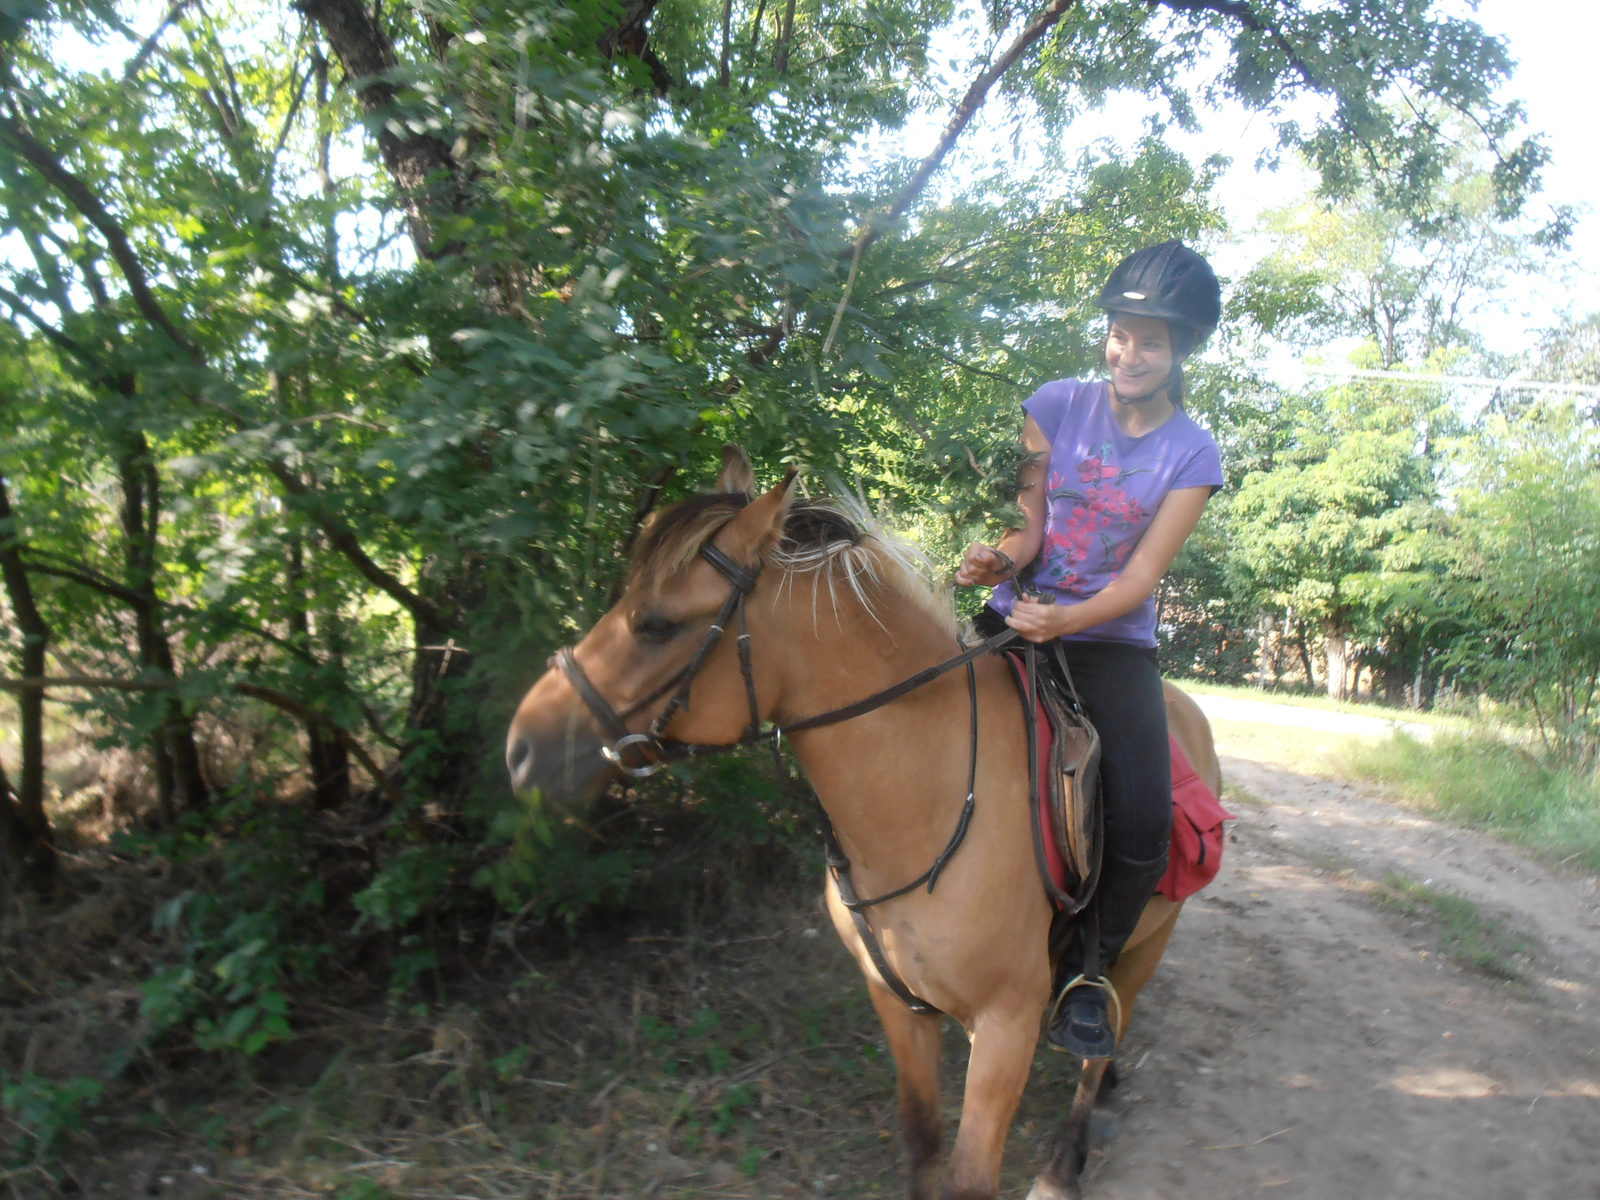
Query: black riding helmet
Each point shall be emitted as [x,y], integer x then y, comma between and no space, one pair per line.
[1169,282]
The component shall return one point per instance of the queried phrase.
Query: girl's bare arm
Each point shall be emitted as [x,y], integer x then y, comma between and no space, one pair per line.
[1174,521]
[981,566]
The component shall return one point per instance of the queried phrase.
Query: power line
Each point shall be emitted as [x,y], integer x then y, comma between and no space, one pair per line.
[1582,389]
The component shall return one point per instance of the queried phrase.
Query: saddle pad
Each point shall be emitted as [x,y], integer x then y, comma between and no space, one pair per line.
[1197,832]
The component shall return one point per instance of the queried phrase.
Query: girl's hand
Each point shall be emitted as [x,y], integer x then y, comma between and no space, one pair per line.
[982,566]
[1039,622]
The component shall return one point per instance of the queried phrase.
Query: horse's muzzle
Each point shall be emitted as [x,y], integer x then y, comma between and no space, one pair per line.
[564,764]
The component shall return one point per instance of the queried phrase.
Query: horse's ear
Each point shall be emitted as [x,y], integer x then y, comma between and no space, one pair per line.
[737,474]
[760,524]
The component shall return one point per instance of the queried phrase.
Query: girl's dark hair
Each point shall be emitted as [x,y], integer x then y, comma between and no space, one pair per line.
[1184,338]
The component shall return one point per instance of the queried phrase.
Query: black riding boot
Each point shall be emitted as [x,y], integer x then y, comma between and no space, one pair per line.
[1082,1024]
[1125,888]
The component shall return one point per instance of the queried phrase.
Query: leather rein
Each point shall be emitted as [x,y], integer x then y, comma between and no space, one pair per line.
[656,750]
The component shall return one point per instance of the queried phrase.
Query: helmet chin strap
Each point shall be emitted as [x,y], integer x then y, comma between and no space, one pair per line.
[1152,394]
[1145,399]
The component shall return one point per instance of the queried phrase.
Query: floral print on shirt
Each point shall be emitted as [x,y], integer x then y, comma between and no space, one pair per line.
[1094,524]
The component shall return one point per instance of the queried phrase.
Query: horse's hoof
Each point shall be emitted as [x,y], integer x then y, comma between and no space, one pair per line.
[1049,1189]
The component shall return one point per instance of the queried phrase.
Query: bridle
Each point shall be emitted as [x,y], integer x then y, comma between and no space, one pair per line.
[650,741]
[659,750]
[664,751]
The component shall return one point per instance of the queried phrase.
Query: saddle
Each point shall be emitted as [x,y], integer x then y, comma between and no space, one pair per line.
[1064,779]
[1066,814]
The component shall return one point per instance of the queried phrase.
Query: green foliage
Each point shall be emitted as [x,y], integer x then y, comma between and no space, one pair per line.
[1206,625]
[699,830]
[1527,563]
[1494,785]
[509,1065]
[1404,278]
[406,885]
[45,1111]
[1304,530]
[237,938]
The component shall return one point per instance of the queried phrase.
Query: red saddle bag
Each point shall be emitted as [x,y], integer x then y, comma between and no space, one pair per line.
[1198,835]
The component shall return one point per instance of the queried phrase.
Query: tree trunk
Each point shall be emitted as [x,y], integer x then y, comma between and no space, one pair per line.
[421,165]
[780,60]
[1394,684]
[1337,648]
[1305,654]
[327,759]
[1267,659]
[180,780]
[724,78]
[1420,690]
[24,826]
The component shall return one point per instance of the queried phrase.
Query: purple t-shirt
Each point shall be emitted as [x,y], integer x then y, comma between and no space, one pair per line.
[1104,488]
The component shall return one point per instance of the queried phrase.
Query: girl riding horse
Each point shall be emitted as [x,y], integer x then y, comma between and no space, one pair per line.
[792,621]
[1118,481]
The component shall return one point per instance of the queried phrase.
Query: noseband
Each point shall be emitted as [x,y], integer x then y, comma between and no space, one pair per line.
[657,753]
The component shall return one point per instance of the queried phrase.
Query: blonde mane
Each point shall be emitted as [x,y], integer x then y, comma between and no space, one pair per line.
[833,542]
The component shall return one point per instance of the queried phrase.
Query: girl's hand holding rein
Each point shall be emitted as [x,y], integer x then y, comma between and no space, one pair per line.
[981,566]
[1041,622]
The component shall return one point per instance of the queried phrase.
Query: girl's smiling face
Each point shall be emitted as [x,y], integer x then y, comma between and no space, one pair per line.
[1139,355]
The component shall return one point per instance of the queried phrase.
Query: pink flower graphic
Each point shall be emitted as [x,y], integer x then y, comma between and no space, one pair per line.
[1086,526]
[1094,469]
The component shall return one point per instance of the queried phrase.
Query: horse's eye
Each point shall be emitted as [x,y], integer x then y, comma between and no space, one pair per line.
[653,627]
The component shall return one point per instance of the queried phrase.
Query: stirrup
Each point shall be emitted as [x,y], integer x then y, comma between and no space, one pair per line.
[1103,1047]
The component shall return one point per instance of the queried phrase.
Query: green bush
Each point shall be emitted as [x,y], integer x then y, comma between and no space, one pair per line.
[238,934]
[44,1111]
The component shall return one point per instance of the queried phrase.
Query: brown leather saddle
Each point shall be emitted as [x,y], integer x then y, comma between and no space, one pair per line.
[1063,778]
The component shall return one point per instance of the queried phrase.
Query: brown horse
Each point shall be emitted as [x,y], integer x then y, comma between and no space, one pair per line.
[840,612]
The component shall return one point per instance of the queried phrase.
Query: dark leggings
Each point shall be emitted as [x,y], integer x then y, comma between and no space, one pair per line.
[1120,684]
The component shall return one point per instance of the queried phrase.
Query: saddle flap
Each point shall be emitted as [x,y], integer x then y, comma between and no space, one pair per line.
[1074,785]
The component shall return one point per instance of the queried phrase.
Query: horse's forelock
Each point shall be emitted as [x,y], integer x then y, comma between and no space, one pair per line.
[672,539]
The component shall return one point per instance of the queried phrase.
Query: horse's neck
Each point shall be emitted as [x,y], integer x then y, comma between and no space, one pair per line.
[891,780]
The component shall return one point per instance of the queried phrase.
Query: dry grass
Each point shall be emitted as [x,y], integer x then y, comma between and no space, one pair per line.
[1309,751]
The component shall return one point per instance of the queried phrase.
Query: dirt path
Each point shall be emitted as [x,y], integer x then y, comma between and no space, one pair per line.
[1302,1037]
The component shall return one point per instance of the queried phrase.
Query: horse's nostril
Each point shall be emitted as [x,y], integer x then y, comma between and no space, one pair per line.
[519,755]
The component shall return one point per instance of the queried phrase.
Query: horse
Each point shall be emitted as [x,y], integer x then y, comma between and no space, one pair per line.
[831,610]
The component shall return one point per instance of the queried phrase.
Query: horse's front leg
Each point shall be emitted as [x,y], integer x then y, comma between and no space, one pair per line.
[1003,1041]
[915,1041]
